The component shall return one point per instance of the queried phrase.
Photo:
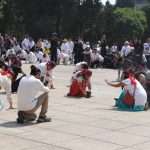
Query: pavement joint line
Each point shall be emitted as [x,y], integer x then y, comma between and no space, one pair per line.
[134,134]
[79,114]
[130,126]
[133,146]
[36,141]
[113,130]
[90,138]
[80,136]
[103,128]
[126,147]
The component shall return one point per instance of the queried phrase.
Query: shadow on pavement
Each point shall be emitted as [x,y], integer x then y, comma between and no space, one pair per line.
[14,124]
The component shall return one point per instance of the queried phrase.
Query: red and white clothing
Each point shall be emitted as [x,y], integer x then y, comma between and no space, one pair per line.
[5,82]
[46,74]
[140,94]
[80,83]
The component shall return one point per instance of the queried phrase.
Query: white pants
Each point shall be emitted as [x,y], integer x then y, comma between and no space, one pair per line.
[5,82]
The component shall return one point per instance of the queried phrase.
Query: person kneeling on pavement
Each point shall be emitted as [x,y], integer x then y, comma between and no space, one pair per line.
[81,83]
[28,99]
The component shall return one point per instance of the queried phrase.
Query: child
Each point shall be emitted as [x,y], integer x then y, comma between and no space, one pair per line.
[46,73]
[5,82]
[81,83]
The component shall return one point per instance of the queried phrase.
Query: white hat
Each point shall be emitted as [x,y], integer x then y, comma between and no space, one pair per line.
[126,42]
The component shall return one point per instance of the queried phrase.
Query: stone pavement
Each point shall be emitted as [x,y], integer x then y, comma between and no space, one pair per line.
[78,123]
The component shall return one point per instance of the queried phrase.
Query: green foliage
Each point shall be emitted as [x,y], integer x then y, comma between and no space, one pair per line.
[129,23]
[89,19]
[147,12]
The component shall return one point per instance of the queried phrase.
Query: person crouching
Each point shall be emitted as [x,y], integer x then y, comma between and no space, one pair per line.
[28,99]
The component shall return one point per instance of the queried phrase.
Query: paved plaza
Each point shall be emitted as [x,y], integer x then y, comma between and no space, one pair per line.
[78,123]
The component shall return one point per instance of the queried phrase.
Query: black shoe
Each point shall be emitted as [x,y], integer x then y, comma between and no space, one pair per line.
[88,94]
[68,94]
[43,119]
[23,117]
[20,118]
[146,106]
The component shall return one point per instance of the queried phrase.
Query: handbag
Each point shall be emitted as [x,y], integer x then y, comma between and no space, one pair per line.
[128,98]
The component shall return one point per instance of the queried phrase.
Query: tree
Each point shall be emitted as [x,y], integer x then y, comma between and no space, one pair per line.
[108,20]
[125,3]
[147,12]
[2,4]
[128,23]
[87,22]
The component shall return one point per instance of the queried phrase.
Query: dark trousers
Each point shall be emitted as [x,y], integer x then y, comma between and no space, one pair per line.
[54,56]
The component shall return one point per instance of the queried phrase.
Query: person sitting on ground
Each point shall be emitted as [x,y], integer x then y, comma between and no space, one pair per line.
[96,59]
[29,99]
[81,83]
[46,69]
[133,95]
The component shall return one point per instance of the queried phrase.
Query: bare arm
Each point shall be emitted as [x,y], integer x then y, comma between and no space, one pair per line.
[89,84]
[120,84]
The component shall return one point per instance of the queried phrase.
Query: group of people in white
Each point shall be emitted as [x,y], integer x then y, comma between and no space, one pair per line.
[40,78]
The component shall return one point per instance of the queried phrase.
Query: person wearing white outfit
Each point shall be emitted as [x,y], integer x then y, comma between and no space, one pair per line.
[46,69]
[65,52]
[126,49]
[30,99]
[32,57]
[5,82]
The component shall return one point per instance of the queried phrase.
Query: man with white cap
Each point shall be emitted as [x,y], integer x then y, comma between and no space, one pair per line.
[126,49]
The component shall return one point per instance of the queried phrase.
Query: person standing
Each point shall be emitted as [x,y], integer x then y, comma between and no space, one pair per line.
[54,46]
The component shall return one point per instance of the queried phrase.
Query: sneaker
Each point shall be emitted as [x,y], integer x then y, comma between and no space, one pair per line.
[43,119]
[23,117]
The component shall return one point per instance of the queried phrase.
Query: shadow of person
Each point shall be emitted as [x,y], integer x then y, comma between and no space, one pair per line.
[121,109]
[2,92]
[14,124]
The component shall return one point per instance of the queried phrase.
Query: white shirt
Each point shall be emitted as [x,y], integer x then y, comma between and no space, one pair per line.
[96,57]
[45,72]
[65,48]
[5,82]
[31,44]
[32,57]
[42,67]
[28,91]
[114,48]
[125,50]
[146,48]
[78,66]
[71,46]
[39,55]
[140,93]
[25,44]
